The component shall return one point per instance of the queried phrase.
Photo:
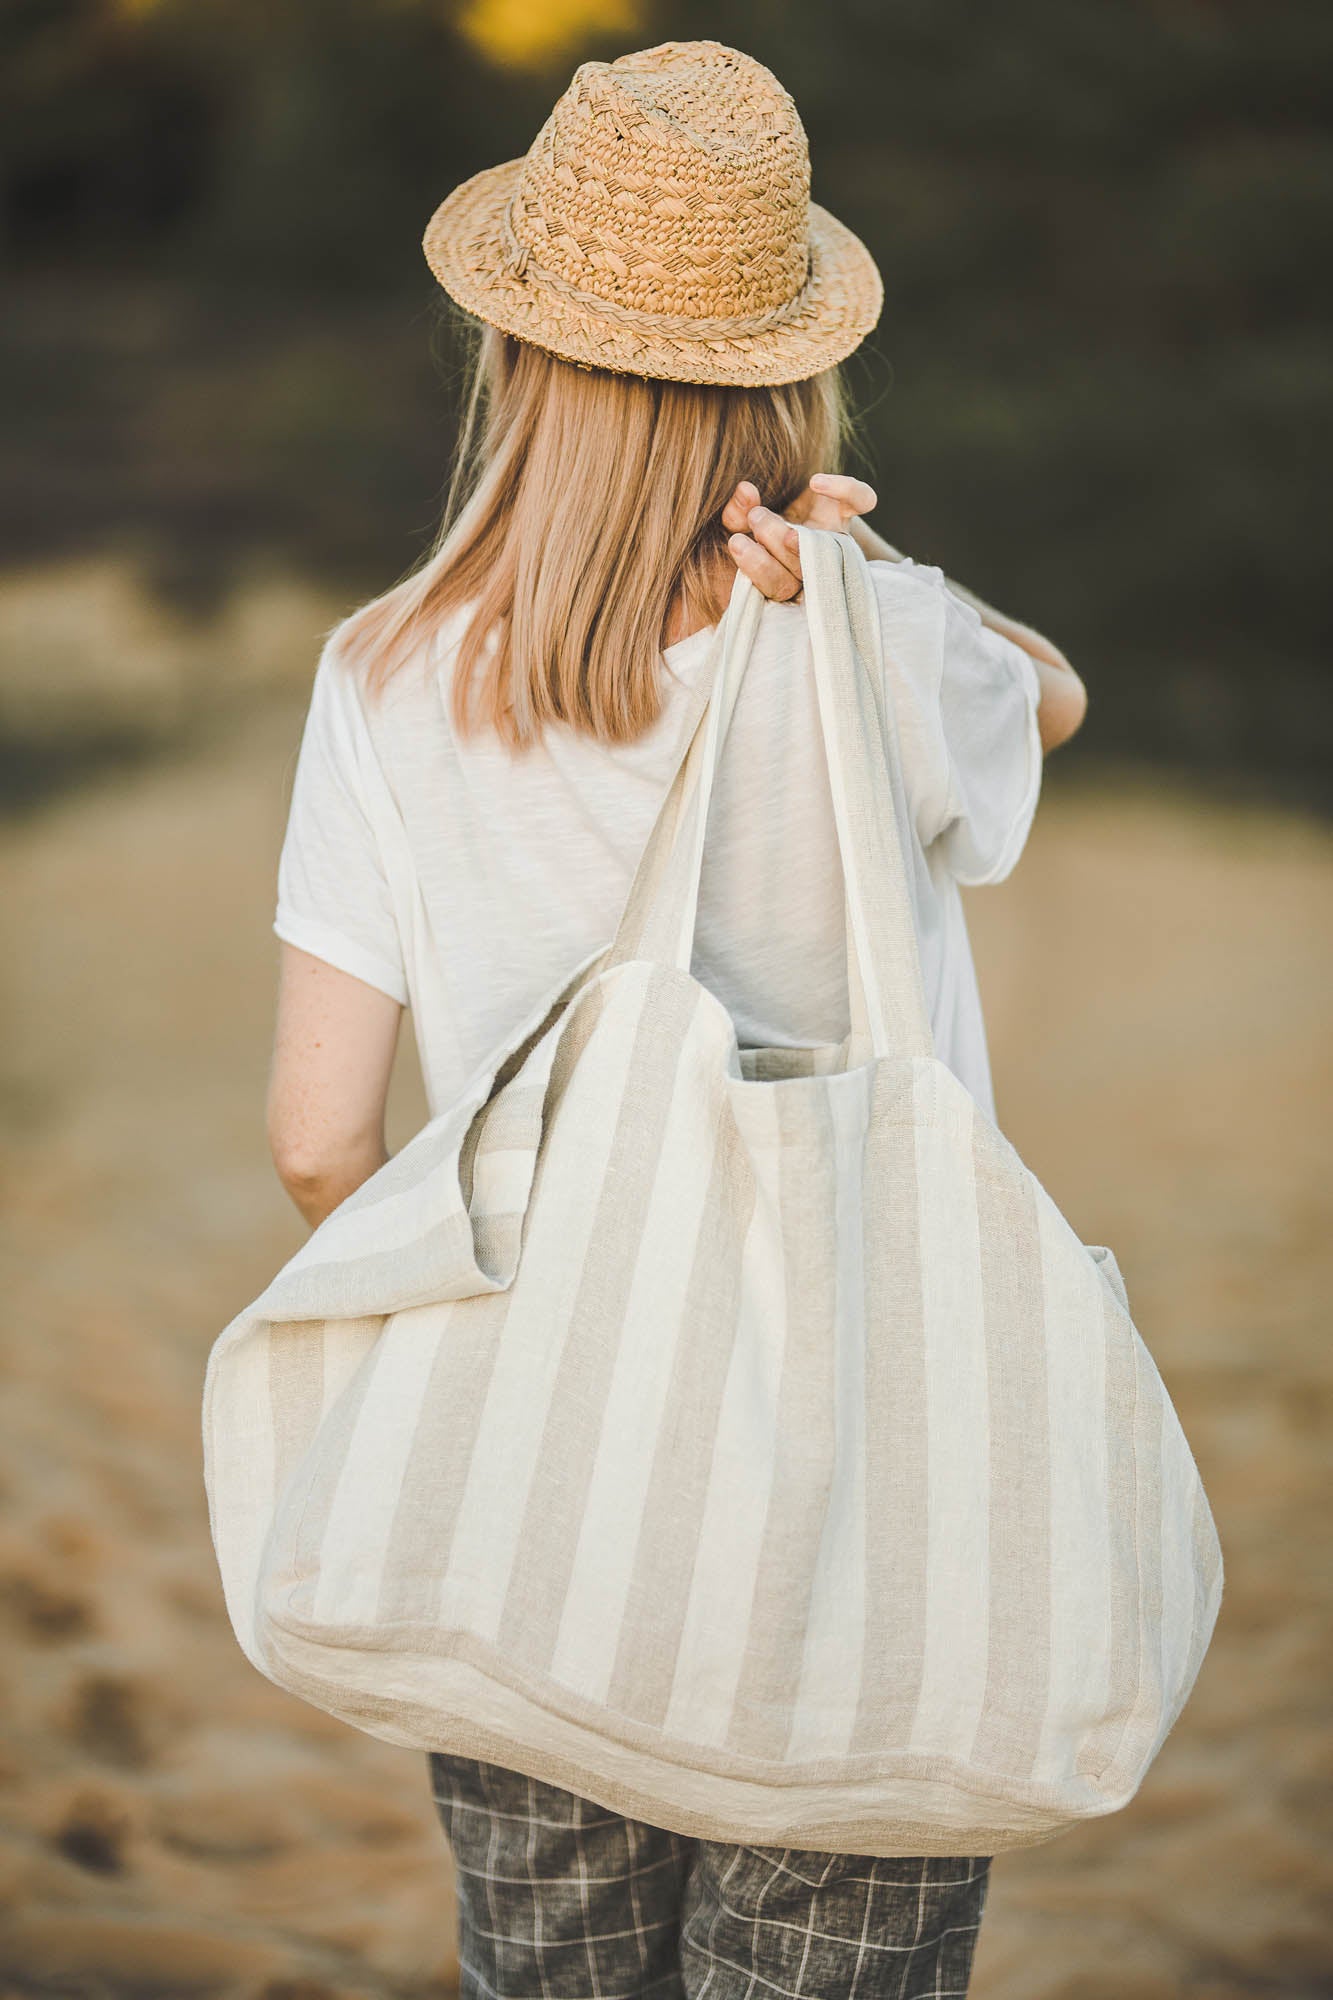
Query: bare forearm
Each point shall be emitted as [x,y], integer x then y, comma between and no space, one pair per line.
[1063,698]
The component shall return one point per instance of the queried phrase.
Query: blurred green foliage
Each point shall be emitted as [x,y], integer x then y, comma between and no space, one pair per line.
[1100,392]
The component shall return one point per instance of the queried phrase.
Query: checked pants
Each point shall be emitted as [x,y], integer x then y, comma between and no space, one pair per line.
[559,1899]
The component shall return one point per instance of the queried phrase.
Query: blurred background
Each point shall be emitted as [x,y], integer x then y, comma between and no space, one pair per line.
[1101,396]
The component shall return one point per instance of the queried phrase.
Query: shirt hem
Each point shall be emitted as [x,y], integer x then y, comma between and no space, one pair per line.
[1019,827]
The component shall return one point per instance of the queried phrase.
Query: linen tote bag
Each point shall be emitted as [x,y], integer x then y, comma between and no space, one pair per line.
[740,1438]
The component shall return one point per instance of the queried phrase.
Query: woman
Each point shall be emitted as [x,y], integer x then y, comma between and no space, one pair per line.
[664,313]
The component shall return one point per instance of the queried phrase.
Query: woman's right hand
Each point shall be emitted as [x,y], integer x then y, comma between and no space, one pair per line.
[764,545]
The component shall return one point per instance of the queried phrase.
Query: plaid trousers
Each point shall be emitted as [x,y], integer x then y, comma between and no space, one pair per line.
[559,1899]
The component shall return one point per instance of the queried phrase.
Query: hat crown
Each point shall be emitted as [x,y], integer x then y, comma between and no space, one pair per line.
[673,182]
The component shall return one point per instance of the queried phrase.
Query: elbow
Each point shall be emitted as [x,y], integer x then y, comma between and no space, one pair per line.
[316,1187]
[302,1165]
[1062,710]
[301,1171]
[318,1176]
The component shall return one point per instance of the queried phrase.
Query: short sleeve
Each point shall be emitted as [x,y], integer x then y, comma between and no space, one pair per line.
[966,699]
[334,898]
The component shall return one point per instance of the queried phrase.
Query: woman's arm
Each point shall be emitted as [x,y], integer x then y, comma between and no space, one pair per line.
[765,546]
[332,1057]
[1064,699]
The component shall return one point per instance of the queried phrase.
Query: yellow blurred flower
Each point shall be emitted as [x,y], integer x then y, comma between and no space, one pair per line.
[528,34]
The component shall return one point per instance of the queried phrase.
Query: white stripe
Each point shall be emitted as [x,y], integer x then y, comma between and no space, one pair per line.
[957,1427]
[835,1634]
[1080,1660]
[731,1531]
[594,1607]
[541,1305]
[370,1482]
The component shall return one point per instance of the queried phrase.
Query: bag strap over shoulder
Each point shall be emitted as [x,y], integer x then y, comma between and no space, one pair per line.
[887,1000]
[865,779]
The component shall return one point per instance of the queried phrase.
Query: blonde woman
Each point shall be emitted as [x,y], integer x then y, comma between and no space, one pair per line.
[656,398]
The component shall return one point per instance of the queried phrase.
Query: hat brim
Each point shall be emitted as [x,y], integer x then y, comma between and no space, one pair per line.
[464,246]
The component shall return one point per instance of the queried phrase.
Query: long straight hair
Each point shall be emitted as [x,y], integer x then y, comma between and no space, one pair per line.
[585,506]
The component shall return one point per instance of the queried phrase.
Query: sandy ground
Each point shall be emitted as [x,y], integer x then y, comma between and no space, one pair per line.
[1156,975]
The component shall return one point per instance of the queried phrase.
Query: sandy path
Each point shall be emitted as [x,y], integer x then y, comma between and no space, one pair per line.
[1155,976]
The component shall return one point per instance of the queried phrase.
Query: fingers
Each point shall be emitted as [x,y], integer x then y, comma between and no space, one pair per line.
[769,575]
[775,565]
[765,546]
[852,496]
[831,500]
[736,513]
[762,545]
[778,537]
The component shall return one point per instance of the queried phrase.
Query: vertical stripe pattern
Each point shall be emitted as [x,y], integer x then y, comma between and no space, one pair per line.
[742,1439]
[804,1428]
[1018,1635]
[683,1451]
[896,1435]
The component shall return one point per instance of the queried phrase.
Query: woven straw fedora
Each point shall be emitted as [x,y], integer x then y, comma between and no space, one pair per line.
[661,225]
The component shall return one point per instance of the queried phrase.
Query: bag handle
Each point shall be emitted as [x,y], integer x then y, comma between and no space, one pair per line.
[869,799]
[888,1008]
[657,921]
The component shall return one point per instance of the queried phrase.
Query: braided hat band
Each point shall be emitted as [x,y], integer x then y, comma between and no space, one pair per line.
[661,224]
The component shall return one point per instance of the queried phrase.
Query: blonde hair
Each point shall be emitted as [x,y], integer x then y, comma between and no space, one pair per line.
[584,507]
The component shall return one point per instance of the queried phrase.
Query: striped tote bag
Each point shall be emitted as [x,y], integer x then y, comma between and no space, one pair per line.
[738,1437]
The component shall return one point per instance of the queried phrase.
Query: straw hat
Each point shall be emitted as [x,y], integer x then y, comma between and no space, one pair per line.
[661,224]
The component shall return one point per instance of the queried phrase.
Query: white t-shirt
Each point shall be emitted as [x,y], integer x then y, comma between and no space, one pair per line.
[468,883]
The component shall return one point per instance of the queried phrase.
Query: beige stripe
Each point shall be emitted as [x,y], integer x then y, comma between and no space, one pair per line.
[1122,1607]
[1018,1658]
[296,1393]
[346,1344]
[574,1039]
[896,1430]
[468,1703]
[544,1560]
[510,1122]
[659,1590]
[321,1485]
[772,1065]
[1076,1427]
[805,1442]
[740,1471]
[957,1512]
[435,1475]
[832,1666]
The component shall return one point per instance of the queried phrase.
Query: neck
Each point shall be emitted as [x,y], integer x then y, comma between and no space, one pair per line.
[692,611]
